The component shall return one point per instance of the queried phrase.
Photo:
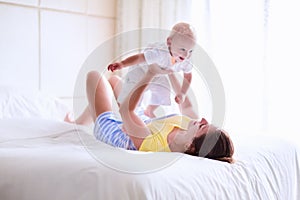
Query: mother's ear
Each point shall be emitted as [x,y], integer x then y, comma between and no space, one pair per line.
[190,148]
[187,146]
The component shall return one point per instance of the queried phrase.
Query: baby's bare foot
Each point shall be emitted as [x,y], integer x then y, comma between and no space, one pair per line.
[149,113]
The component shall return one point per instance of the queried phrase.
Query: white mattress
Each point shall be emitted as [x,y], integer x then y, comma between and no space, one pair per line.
[47,159]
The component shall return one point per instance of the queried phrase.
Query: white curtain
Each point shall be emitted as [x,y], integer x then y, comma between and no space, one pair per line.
[234,40]
[135,16]
[283,63]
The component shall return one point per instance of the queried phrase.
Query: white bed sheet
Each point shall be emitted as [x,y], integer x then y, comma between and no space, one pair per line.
[47,159]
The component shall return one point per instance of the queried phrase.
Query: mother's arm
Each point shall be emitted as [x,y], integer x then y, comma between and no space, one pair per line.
[134,126]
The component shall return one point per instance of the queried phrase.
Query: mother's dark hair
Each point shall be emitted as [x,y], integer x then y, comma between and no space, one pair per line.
[215,145]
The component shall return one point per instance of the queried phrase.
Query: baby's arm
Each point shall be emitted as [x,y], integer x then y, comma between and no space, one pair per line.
[132,60]
[181,91]
[186,82]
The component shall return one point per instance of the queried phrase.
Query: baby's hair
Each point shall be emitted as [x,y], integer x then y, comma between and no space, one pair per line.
[184,29]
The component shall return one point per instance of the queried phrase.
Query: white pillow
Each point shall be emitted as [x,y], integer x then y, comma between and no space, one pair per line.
[15,103]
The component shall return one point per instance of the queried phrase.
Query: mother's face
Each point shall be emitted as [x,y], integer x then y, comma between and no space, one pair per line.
[200,127]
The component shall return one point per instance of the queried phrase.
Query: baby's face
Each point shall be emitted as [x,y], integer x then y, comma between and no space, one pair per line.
[181,47]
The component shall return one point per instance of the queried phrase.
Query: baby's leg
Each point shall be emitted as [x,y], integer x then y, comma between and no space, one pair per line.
[149,111]
[159,91]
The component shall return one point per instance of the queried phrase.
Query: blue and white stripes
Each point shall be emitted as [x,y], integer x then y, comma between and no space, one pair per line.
[108,130]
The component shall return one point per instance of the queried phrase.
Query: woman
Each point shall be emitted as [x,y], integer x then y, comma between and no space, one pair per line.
[176,133]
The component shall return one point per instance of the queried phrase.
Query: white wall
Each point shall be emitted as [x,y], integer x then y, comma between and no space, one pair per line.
[43,43]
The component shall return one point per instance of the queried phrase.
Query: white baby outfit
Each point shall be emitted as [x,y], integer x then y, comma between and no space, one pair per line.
[158,91]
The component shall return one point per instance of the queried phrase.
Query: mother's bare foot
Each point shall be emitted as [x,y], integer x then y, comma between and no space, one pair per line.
[69,118]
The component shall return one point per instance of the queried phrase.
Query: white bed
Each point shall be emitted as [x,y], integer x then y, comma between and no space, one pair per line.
[45,158]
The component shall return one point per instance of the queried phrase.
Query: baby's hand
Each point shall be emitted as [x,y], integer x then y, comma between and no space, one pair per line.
[115,66]
[179,98]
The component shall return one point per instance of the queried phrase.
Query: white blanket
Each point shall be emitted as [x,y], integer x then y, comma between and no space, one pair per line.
[47,159]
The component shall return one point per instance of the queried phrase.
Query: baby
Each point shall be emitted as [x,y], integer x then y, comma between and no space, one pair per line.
[173,55]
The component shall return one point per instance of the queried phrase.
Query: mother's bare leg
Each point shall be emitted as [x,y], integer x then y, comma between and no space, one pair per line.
[116,84]
[99,94]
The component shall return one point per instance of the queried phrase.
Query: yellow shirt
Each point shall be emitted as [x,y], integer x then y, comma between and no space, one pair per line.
[160,129]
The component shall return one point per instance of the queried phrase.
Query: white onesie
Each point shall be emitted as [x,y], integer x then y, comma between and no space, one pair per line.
[159,88]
